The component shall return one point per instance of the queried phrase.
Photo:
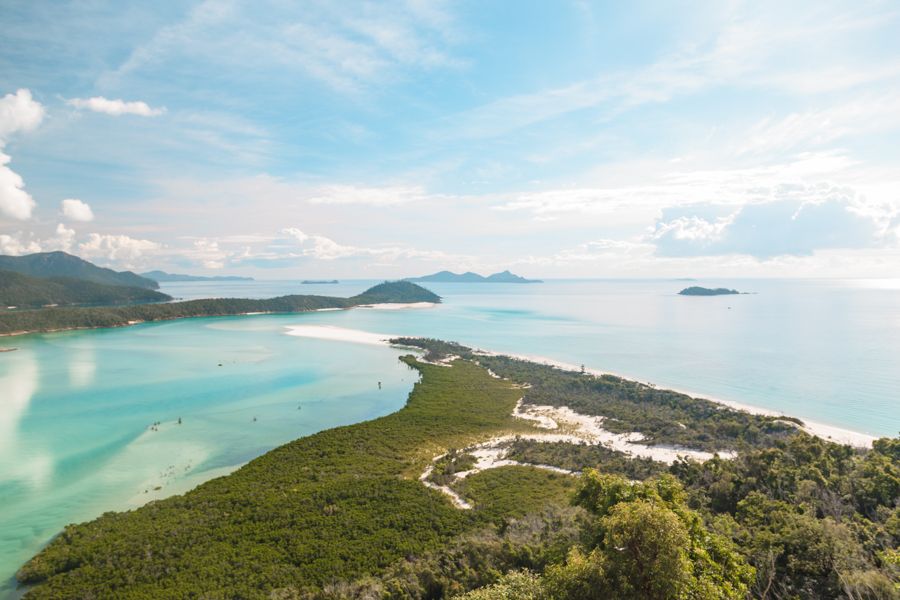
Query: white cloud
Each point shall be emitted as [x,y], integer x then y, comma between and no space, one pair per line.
[18,112]
[14,245]
[77,210]
[116,107]
[372,196]
[116,247]
[63,240]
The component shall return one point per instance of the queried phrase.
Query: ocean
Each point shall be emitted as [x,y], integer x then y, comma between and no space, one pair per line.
[79,410]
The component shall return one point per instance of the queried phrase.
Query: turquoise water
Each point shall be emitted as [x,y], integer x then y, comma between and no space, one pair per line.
[75,408]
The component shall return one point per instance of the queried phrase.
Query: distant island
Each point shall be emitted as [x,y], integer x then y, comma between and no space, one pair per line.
[163,277]
[702,291]
[312,281]
[17,322]
[470,277]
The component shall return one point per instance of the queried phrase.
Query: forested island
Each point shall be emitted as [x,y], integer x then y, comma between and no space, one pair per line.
[470,277]
[55,319]
[696,290]
[397,508]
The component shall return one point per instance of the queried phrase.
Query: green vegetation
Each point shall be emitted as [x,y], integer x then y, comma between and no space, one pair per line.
[577,457]
[53,319]
[340,515]
[515,491]
[696,290]
[23,291]
[60,264]
[818,520]
[662,416]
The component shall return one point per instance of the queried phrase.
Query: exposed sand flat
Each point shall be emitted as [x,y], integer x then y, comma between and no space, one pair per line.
[338,334]
[397,305]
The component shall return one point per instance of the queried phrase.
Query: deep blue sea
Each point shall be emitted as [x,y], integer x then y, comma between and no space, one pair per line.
[77,409]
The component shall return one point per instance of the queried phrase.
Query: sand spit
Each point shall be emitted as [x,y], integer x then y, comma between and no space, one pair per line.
[826,432]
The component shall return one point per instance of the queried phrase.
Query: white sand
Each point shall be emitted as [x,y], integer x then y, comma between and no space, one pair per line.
[338,334]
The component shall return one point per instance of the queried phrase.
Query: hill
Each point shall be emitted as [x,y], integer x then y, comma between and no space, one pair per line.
[470,277]
[163,277]
[55,319]
[702,291]
[60,264]
[23,291]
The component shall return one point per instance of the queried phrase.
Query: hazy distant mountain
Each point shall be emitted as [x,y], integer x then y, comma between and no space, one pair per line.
[470,277]
[60,264]
[24,291]
[163,277]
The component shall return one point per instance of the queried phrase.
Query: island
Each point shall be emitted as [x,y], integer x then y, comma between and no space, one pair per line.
[59,318]
[702,291]
[471,492]
[163,277]
[470,277]
[318,281]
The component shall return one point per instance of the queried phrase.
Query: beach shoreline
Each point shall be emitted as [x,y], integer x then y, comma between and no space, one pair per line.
[822,430]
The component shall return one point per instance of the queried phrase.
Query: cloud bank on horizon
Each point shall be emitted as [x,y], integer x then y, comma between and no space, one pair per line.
[389,139]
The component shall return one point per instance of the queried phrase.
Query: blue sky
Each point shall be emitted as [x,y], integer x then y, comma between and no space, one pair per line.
[284,139]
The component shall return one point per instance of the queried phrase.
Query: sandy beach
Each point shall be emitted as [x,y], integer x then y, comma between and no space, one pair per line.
[824,431]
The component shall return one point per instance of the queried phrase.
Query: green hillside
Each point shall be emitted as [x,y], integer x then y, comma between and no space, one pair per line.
[60,264]
[23,291]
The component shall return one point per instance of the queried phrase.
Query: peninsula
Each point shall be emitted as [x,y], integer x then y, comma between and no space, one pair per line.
[490,480]
[702,291]
[470,277]
[60,319]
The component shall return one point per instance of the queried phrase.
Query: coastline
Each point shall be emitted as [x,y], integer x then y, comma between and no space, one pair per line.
[380,306]
[822,430]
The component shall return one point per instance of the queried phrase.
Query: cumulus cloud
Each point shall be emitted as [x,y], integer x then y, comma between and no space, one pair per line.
[782,227]
[116,107]
[18,112]
[77,210]
[63,240]
[116,247]
[15,245]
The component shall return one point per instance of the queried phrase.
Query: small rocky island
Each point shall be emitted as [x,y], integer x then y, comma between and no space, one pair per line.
[696,290]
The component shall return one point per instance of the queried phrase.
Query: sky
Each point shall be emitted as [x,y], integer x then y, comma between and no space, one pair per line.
[283,139]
